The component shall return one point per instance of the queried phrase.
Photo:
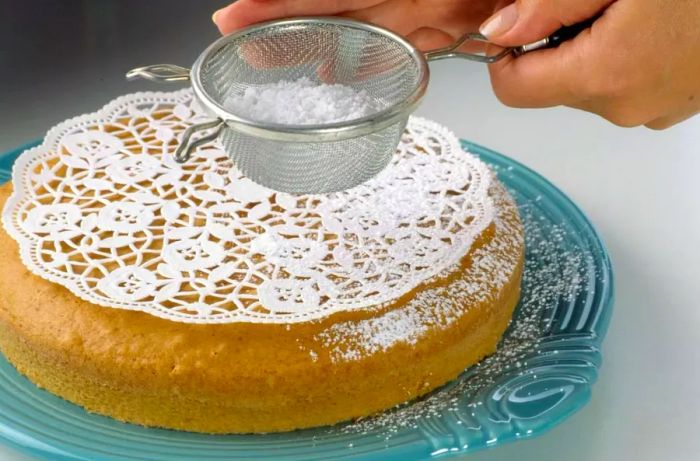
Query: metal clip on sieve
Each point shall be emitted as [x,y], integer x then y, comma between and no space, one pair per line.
[315,158]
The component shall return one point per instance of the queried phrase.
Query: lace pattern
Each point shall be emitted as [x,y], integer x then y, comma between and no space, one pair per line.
[102,208]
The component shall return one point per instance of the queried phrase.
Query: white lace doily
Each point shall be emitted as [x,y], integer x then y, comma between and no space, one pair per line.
[102,208]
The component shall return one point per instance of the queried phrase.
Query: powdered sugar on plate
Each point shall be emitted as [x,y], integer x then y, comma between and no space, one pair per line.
[554,274]
[301,102]
[438,307]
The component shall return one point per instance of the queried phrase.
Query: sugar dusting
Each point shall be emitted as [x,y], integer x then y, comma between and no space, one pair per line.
[553,273]
[301,102]
[491,268]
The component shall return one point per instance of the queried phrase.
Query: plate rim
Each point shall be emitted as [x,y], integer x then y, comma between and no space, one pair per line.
[477,149]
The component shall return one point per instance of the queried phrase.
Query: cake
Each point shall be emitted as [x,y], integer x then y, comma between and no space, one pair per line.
[247,333]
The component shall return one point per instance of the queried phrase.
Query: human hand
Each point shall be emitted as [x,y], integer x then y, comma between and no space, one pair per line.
[427,24]
[639,64]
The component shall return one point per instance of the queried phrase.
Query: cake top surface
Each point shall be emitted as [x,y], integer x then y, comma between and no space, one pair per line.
[102,208]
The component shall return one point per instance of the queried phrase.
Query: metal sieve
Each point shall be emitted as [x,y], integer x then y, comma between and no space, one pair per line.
[311,158]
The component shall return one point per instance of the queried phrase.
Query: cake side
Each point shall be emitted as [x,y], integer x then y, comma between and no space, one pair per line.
[247,377]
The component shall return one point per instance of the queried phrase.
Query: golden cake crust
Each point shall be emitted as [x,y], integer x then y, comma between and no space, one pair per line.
[247,377]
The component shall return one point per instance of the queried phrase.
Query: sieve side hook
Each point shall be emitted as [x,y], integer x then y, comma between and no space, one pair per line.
[212,130]
[163,73]
[160,73]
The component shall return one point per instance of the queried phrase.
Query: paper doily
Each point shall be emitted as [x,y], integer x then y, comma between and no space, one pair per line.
[102,208]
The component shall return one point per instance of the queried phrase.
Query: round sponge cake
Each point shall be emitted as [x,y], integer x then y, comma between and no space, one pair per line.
[256,377]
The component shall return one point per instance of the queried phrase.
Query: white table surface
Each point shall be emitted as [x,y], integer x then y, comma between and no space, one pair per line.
[641,190]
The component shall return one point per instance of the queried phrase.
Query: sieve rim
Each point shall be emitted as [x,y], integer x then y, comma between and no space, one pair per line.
[317,132]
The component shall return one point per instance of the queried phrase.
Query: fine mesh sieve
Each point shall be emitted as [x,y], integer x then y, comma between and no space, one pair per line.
[313,158]
[310,158]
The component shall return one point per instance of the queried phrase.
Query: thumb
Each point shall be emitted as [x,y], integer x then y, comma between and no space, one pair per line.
[527,21]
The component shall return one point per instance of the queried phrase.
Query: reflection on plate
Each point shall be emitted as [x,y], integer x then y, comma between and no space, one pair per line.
[542,373]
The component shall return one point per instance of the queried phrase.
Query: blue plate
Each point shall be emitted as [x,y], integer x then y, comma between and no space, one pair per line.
[541,374]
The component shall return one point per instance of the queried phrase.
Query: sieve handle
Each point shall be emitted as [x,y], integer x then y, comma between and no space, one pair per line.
[451,50]
[187,145]
[160,73]
[554,40]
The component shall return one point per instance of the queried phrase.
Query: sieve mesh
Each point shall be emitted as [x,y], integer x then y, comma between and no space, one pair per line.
[312,167]
[347,53]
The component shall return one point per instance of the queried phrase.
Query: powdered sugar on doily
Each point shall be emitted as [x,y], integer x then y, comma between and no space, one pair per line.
[435,308]
[555,276]
[102,208]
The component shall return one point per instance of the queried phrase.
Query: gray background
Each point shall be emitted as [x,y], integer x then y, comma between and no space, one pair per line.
[63,58]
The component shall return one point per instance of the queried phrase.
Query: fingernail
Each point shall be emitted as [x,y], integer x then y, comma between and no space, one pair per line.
[213,16]
[501,22]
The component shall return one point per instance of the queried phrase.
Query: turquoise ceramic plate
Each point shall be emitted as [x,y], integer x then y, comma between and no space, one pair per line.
[542,373]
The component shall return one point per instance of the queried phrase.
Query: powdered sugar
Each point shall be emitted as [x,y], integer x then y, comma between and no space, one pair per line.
[301,102]
[554,276]
[491,267]
[377,334]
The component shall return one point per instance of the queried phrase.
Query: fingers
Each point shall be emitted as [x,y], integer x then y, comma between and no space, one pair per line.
[666,122]
[386,14]
[662,123]
[526,21]
[630,84]
[246,12]
[337,57]
[405,17]
[287,48]
[427,38]
[543,78]
[618,111]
